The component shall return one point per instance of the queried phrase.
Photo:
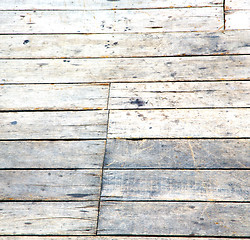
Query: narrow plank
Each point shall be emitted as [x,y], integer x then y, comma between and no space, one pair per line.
[185,185]
[185,123]
[174,218]
[51,154]
[97,4]
[126,69]
[53,125]
[239,19]
[54,97]
[237,4]
[179,95]
[48,218]
[50,185]
[172,154]
[125,45]
[150,20]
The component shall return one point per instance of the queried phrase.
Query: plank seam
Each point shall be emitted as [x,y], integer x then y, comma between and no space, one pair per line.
[105,148]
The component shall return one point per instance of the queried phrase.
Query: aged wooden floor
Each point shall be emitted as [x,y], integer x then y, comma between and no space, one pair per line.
[124,119]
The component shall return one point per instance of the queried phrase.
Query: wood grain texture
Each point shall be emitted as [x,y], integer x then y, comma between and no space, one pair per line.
[97,4]
[185,123]
[53,125]
[43,218]
[173,154]
[150,20]
[51,154]
[191,185]
[239,19]
[53,97]
[124,45]
[179,95]
[50,185]
[126,69]
[174,218]
[237,4]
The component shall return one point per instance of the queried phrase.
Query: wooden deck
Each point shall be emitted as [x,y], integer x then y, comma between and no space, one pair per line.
[124,119]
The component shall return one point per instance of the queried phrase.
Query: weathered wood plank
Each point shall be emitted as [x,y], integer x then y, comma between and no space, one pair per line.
[179,95]
[191,185]
[97,4]
[50,185]
[125,69]
[53,97]
[237,4]
[185,123]
[239,19]
[124,45]
[51,154]
[150,20]
[53,125]
[184,154]
[55,218]
[174,218]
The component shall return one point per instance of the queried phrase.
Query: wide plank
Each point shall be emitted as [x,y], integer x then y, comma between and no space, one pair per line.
[125,69]
[178,154]
[50,185]
[48,218]
[124,45]
[53,97]
[179,95]
[174,218]
[184,185]
[51,154]
[110,21]
[237,4]
[185,123]
[97,4]
[238,19]
[53,125]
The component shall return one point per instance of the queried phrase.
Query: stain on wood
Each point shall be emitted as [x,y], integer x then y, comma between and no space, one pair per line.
[50,185]
[184,123]
[204,68]
[32,218]
[53,125]
[179,95]
[110,21]
[125,45]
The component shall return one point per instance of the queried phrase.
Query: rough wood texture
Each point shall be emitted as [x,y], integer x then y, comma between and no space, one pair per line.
[53,125]
[150,20]
[239,19]
[185,123]
[179,95]
[125,45]
[50,185]
[53,97]
[174,218]
[237,4]
[191,185]
[125,70]
[58,218]
[174,154]
[50,154]
[97,4]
